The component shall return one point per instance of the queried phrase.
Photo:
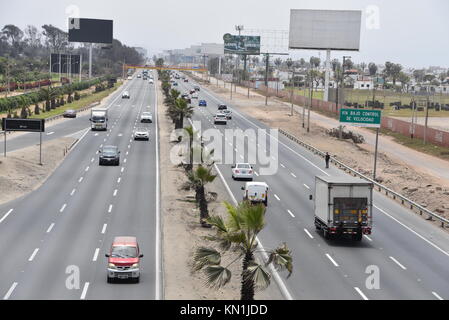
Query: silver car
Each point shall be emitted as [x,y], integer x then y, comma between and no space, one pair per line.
[146,117]
[220,118]
[242,171]
[141,134]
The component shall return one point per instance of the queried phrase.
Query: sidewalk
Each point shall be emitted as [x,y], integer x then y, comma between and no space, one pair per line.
[427,164]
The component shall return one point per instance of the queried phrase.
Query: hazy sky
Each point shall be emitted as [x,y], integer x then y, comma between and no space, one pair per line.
[413,33]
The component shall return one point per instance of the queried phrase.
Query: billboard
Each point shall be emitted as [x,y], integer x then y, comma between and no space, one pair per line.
[212,49]
[325,29]
[30,125]
[65,63]
[90,30]
[249,45]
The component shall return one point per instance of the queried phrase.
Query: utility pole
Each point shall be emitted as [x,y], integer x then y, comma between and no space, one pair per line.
[267,62]
[340,135]
[239,28]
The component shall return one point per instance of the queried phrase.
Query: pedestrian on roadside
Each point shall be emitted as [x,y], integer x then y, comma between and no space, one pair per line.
[327,158]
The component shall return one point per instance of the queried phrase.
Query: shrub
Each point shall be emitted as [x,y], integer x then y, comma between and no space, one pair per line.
[23,113]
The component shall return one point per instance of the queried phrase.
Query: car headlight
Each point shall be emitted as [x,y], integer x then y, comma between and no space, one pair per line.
[135,265]
[111,265]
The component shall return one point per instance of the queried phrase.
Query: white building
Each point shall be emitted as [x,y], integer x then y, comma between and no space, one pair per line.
[363,83]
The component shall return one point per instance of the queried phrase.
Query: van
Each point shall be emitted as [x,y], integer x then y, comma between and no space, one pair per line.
[256,192]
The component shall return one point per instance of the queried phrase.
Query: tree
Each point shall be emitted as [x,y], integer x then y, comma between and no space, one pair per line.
[315,62]
[404,79]
[392,70]
[191,132]
[238,234]
[372,67]
[182,110]
[197,180]
[48,94]
[278,62]
[419,75]
[13,35]
[56,39]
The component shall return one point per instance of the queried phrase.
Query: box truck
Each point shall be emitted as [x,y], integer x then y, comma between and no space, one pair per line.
[99,119]
[343,206]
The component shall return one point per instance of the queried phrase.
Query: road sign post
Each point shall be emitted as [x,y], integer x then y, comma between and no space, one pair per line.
[366,119]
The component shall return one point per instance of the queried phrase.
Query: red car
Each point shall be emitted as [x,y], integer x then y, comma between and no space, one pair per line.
[124,259]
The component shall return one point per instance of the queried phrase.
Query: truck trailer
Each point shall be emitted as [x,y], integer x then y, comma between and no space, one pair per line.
[99,119]
[343,206]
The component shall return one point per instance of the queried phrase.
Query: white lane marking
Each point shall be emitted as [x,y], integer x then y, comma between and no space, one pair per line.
[33,254]
[291,213]
[8,294]
[256,173]
[6,215]
[306,186]
[332,260]
[80,179]
[115,193]
[414,232]
[96,134]
[293,175]
[104,140]
[282,166]
[87,169]
[83,294]
[437,295]
[129,146]
[50,228]
[120,134]
[277,197]
[124,161]
[63,207]
[308,233]
[368,238]
[241,157]
[361,293]
[123,169]
[118,180]
[104,228]
[50,133]
[110,208]
[127,152]
[96,254]
[101,145]
[158,235]
[92,160]
[398,263]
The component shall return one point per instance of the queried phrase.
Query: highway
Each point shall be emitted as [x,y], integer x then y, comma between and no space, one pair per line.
[69,222]
[410,254]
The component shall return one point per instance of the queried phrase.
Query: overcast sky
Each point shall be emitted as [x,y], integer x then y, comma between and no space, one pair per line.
[413,33]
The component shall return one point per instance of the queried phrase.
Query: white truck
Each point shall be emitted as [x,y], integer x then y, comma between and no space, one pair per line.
[99,118]
[256,192]
[343,206]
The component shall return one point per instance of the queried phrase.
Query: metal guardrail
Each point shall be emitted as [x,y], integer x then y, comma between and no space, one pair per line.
[381,188]
[61,115]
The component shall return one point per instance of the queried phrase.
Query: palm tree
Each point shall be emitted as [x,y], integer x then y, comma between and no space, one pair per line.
[182,110]
[239,234]
[189,130]
[48,94]
[198,179]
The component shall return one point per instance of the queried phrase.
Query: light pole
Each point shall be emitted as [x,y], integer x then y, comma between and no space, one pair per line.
[239,28]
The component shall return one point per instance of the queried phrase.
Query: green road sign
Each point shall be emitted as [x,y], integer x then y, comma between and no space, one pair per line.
[361,118]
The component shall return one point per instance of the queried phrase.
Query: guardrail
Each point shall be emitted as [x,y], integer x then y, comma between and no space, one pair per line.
[61,115]
[381,188]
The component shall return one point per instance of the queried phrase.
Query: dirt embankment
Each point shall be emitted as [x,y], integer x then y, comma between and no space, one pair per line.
[20,172]
[431,192]
[182,232]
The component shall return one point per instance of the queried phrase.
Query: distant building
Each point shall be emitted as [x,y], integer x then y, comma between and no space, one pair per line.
[363,83]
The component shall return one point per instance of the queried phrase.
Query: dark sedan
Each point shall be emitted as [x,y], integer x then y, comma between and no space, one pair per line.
[69,114]
[109,155]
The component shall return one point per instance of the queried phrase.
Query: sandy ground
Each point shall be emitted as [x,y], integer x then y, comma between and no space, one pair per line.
[431,192]
[20,172]
[182,232]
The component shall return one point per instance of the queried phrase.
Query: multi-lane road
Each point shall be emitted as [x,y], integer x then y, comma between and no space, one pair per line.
[409,255]
[69,222]
[64,228]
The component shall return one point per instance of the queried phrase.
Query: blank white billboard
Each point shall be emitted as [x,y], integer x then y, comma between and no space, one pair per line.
[325,29]
[212,49]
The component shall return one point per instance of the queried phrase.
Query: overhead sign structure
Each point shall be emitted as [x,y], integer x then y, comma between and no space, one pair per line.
[361,118]
[65,63]
[244,45]
[30,125]
[90,30]
[199,69]
[325,29]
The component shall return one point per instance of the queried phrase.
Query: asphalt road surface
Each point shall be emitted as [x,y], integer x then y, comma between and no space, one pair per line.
[409,255]
[67,225]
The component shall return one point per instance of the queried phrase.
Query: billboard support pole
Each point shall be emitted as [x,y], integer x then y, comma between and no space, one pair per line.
[267,57]
[327,76]
[375,154]
[80,66]
[40,148]
[90,61]
[4,144]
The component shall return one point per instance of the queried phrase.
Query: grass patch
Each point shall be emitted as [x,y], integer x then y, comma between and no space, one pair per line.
[83,102]
[417,144]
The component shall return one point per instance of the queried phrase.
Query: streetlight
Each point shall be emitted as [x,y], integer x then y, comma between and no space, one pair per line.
[239,28]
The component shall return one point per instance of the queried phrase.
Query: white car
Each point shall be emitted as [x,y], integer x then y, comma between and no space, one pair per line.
[146,117]
[150,81]
[227,113]
[130,77]
[125,95]
[242,171]
[194,95]
[220,118]
[141,134]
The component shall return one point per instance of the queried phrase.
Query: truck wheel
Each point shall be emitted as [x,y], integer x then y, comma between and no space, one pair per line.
[327,235]
[357,237]
[137,280]
[109,280]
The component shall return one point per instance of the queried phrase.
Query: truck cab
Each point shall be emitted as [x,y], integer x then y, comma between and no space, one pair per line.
[99,119]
